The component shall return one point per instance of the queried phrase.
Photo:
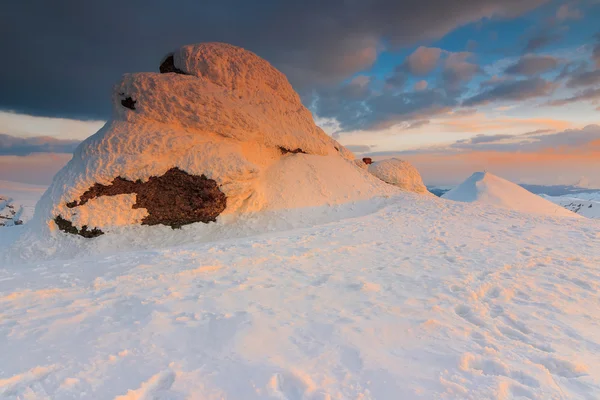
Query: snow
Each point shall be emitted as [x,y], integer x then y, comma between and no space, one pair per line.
[229,119]
[17,201]
[418,298]
[486,188]
[399,173]
[585,204]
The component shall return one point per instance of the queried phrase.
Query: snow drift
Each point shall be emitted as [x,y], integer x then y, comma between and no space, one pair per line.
[486,188]
[398,173]
[220,116]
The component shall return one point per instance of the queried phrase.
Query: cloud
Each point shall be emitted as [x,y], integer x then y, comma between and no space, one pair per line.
[586,78]
[458,69]
[37,168]
[11,145]
[512,90]
[528,142]
[423,60]
[421,85]
[532,64]
[592,95]
[541,40]
[540,158]
[566,12]
[63,60]
[358,148]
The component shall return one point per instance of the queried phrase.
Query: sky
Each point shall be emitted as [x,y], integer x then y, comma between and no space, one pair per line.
[507,86]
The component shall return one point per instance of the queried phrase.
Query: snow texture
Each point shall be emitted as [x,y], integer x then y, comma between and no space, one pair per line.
[413,298]
[399,173]
[231,117]
[486,188]
[17,201]
[585,204]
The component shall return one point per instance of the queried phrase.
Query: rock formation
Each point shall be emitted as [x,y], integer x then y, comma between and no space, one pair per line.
[215,133]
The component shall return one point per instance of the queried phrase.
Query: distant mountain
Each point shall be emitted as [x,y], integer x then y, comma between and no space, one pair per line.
[557,190]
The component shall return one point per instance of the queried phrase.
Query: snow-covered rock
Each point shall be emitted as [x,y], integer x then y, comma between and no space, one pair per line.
[486,188]
[399,173]
[580,203]
[17,202]
[222,114]
[10,212]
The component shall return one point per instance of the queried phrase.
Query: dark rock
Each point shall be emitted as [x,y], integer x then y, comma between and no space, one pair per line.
[286,151]
[367,160]
[168,66]
[67,226]
[174,199]
[129,103]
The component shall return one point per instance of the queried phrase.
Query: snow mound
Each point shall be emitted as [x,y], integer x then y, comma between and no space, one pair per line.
[399,173]
[217,115]
[486,188]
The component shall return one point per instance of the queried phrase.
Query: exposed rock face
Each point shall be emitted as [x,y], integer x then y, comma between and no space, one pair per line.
[399,173]
[128,102]
[174,199]
[367,160]
[211,135]
[67,227]
[168,65]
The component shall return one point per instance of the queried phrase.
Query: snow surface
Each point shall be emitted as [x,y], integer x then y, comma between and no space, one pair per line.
[486,188]
[423,298]
[21,196]
[228,119]
[589,208]
[399,173]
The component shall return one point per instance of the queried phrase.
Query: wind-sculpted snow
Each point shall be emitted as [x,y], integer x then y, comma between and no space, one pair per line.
[423,299]
[217,111]
[486,188]
[398,173]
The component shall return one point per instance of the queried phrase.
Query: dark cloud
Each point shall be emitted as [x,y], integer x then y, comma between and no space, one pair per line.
[62,57]
[583,79]
[532,64]
[423,60]
[570,139]
[16,146]
[458,69]
[592,95]
[512,90]
[541,40]
[381,110]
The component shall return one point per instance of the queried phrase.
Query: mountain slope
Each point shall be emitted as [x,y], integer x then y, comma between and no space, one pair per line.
[423,299]
[486,188]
